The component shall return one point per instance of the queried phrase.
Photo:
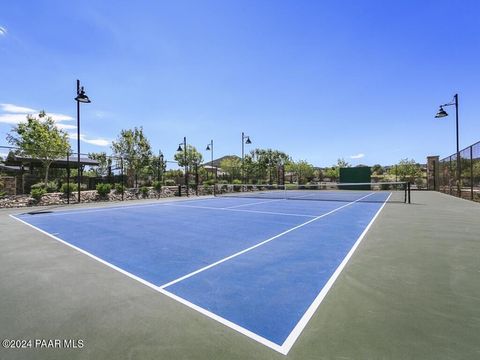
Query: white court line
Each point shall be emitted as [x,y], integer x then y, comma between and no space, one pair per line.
[259,244]
[254,203]
[240,210]
[297,330]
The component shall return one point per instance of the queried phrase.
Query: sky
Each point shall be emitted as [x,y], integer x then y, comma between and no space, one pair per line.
[319,80]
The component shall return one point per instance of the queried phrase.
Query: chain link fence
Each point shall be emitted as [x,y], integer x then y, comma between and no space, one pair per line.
[465,184]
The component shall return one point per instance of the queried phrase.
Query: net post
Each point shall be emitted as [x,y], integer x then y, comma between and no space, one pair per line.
[408,187]
[405,190]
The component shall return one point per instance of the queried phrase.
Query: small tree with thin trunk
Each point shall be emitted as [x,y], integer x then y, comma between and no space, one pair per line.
[41,139]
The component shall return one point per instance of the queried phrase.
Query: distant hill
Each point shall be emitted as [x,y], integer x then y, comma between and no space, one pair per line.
[216,162]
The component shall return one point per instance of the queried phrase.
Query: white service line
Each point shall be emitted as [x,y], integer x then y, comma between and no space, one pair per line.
[259,244]
[240,210]
[254,203]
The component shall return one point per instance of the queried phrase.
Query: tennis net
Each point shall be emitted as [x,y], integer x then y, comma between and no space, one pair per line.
[347,192]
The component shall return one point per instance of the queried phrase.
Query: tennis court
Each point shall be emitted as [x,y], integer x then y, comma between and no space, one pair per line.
[258,266]
[246,277]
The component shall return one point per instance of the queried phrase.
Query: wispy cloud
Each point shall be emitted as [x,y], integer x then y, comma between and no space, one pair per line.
[98,141]
[11,108]
[14,114]
[3,31]
[12,119]
[357,156]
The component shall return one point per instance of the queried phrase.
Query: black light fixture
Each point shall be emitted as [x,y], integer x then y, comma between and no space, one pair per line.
[81,98]
[180,147]
[441,114]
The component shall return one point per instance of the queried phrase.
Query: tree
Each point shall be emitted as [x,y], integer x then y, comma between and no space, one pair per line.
[303,170]
[377,169]
[41,139]
[270,159]
[341,163]
[135,149]
[193,157]
[332,173]
[104,163]
[407,170]
[232,166]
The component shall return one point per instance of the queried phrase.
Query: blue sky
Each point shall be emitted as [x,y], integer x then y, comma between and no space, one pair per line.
[319,80]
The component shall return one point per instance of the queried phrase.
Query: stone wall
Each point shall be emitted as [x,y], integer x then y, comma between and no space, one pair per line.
[9,185]
[92,196]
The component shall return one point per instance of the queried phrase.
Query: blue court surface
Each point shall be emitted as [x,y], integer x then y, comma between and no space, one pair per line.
[259,266]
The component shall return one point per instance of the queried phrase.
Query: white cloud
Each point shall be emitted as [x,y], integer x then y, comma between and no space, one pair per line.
[3,31]
[12,119]
[66,126]
[98,142]
[59,117]
[11,108]
[357,156]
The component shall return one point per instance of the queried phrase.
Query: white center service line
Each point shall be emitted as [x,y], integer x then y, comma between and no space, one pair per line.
[259,244]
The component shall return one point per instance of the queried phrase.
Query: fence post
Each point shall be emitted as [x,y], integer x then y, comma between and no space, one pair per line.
[123,182]
[471,172]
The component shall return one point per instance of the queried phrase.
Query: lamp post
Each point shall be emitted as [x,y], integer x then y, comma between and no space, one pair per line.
[210,148]
[245,140]
[185,159]
[442,113]
[81,98]
[160,166]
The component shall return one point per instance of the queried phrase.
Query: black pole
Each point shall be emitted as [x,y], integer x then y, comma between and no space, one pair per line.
[123,182]
[161,167]
[158,166]
[185,158]
[243,146]
[471,172]
[78,142]
[68,177]
[211,168]
[459,184]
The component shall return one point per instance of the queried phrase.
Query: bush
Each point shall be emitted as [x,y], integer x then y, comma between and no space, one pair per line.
[157,185]
[209,182]
[237,182]
[37,193]
[170,182]
[144,191]
[68,188]
[50,187]
[103,189]
[119,188]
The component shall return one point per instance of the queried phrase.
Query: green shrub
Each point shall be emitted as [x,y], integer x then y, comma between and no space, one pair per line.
[236,181]
[103,189]
[119,188]
[68,188]
[50,187]
[209,182]
[144,191]
[157,185]
[170,182]
[37,193]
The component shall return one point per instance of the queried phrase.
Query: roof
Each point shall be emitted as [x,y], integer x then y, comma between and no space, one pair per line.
[16,160]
